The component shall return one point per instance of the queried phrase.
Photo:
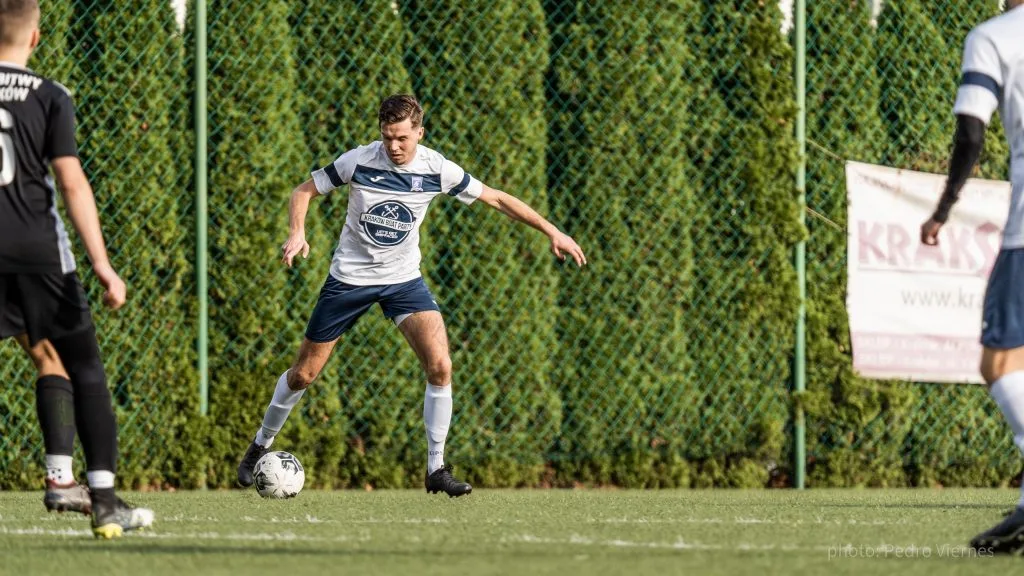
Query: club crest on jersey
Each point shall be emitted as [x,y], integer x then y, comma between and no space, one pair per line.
[417,184]
[388,223]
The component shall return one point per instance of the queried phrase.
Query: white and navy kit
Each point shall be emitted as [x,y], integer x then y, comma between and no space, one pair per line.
[993,78]
[39,290]
[377,259]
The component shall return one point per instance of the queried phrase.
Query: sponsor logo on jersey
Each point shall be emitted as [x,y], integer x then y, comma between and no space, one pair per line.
[388,223]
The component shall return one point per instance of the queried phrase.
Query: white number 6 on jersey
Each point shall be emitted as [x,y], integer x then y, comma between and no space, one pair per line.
[6,148]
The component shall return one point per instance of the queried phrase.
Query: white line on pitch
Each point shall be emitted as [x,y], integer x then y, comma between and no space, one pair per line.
[877,550]
[747,521]
[263,537]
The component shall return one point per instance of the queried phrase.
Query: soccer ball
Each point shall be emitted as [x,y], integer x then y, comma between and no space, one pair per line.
[279,475]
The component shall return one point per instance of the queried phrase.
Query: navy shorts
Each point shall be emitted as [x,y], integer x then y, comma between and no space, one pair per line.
[340,305]
[1002,325]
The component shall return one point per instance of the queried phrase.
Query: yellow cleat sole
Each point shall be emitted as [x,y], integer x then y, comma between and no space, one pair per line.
[108,531]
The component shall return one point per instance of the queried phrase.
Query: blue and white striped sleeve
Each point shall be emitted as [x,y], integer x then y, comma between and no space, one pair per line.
[458,183]
[981,85]
[337,173]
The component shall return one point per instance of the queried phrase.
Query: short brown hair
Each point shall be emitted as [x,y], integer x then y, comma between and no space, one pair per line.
[16,18]
[397,108]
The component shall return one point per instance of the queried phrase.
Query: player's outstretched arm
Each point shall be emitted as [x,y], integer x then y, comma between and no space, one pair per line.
[297,208]
[516,209]
[81,207]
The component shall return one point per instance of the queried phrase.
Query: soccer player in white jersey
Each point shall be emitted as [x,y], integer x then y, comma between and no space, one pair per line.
[993,77]
[391,183]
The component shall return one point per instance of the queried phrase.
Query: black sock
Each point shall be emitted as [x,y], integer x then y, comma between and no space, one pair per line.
[102,497]
[55,407]
[94,410]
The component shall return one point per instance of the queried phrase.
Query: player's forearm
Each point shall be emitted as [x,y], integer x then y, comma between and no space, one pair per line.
[520,211]
[81,207]
[297,209]
[967,146]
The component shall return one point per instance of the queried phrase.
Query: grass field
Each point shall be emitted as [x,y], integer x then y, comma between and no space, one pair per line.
[519,532]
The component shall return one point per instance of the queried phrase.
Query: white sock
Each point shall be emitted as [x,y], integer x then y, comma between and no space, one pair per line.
[100,479]
[280,407]
[437,417]
[58,469]
[1008,392]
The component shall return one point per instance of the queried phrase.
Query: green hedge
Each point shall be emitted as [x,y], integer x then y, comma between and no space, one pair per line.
[255,150]
[847,445]
[52,56]
[659,135]
[745,229]
[621,373]
[147,225]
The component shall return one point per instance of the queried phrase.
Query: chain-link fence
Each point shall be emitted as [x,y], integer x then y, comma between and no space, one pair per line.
[659,134]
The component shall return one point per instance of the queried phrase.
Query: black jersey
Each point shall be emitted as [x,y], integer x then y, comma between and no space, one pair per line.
[37,124]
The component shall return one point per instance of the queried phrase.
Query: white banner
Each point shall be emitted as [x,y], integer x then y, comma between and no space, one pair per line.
[915,310]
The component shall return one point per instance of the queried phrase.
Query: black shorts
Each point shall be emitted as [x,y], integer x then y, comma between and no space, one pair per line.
[44,306]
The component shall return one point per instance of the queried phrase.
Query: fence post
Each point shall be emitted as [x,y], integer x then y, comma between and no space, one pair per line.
[202,342]
[800,356]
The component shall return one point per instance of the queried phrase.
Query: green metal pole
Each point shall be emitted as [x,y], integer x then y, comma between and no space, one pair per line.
[800,363]
[201,208]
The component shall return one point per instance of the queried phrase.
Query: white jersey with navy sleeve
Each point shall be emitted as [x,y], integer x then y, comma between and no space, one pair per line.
[993,78]
[386,206]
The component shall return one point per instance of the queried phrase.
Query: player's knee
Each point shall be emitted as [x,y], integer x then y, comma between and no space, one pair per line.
[439,371]
[299,378]
[993,365]
[80,356]
[46,366]
[987,373]
[45,359]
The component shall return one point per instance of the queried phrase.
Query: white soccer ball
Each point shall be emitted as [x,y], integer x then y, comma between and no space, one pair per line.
[279,475]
